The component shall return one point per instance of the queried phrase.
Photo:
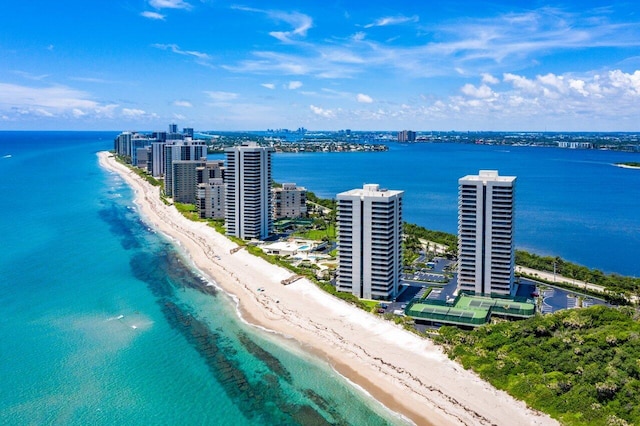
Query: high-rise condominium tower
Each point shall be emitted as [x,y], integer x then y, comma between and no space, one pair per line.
[180,151]
[485,233]
[248,207]
[369,222]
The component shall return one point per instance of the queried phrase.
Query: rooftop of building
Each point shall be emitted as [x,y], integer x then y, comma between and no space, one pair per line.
[371,190]
[488,176]
[468,310]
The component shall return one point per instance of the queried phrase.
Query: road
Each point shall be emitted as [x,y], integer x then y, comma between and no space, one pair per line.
[555,278]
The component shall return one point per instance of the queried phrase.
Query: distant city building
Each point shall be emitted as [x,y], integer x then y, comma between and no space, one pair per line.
[369,225]
[485,233]
[248,202]
[173,128]
[406,136]
[188,132]
[210,192]
[159,136]
[137,142]
[122,144]
[289,201]
[126,144]
[575,145]
[180,151]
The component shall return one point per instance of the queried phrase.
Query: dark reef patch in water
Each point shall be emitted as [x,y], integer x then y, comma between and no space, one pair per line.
[263,396]
[270,361]
[121,225]
[261,401]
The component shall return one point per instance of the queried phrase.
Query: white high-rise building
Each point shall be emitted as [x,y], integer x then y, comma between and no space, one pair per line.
[485,233]
[248,206]
[157,159]
[369,222]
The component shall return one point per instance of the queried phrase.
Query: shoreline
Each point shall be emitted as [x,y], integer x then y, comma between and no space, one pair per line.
[407,374]
[626,166]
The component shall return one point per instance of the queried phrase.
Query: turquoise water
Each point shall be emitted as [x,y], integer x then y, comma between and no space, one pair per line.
[102,321]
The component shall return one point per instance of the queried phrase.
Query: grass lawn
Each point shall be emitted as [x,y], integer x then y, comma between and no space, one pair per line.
[318,234]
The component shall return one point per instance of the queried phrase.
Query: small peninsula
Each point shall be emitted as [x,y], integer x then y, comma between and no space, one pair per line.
[628,165]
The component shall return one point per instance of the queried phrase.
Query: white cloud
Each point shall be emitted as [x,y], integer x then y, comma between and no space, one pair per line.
[222,96]
[489,79]
[300,22]
[392,20]
[133,113]
[153,15]
[629,83]
[270,86]
[89,80]
[59,98]
[43,112]
[293,85]
[169,4]
[520,82]
[365,99]
[78,113]
[483,91]
[326,113]
[30,76]
[185,104]
[176,49]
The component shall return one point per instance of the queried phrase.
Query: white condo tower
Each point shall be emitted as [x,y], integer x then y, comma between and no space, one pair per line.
[248,205]
[369,222]
[485,233]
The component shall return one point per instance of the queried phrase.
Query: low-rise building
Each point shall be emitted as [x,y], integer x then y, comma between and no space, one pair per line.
[210,192]
[289,201]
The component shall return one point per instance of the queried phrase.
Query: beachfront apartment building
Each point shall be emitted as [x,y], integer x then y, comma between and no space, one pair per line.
[157,160]
[184,178]
[180,150]
[248,201]
[485,233]
[289,201]
[369,228]
[210,190]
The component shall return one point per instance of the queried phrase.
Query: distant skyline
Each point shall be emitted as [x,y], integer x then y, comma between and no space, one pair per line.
[252,65]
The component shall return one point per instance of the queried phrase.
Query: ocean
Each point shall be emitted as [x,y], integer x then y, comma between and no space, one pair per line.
[104,321]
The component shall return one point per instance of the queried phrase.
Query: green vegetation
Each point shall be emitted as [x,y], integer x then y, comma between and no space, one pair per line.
[218,225]
[371,305]
[143,174]
[324,202]
[630,164]
[438,237]
[614,283]
[190,211]
[324,232]
[580,366]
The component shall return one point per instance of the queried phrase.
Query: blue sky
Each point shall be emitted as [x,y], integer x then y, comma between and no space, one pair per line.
[375,65]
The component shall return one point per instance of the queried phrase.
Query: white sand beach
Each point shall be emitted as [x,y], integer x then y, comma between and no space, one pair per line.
[408,374]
